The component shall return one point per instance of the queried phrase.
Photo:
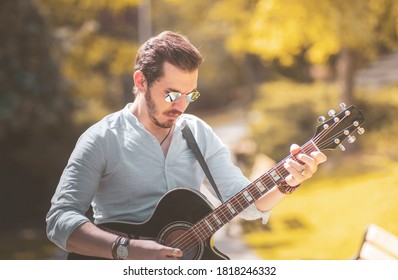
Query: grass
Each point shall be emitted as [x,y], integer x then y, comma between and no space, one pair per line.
[325,219]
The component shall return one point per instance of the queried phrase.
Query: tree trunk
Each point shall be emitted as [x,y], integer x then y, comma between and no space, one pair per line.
[346,65]
[345,74]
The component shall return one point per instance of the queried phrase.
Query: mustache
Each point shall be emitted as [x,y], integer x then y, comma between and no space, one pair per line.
[173,112]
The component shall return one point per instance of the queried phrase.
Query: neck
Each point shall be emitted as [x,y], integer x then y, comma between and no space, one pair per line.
[142,116]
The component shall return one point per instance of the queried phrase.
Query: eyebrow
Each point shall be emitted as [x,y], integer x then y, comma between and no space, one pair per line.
[175,90]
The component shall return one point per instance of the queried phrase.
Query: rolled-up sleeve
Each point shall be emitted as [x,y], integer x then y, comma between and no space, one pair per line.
[75,190]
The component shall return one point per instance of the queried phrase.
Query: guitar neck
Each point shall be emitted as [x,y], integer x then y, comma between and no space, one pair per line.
[243,199]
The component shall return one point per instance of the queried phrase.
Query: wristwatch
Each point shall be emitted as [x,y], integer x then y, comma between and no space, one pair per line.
[120,249]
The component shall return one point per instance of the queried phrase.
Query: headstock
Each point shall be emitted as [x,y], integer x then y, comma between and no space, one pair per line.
[332,132]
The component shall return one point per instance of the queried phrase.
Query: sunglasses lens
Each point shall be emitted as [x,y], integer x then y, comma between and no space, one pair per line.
[193,96]
[172,96]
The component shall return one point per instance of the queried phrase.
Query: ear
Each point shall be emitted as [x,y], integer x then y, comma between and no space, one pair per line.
[139,81]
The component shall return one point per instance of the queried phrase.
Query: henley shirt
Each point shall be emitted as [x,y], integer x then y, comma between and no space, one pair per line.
[119,168]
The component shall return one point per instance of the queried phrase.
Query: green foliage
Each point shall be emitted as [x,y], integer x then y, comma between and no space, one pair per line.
[287,113]
[75,12]
[341,34]
[222,78]
[34,111]
[29,77]
[97,47]
[99,71]
[381,112]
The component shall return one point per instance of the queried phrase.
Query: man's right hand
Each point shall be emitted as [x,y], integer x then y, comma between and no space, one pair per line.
[151,250]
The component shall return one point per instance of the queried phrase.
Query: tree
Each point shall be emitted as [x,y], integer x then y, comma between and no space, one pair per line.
[97,41]
[221,79]
[343,33]
[34,111]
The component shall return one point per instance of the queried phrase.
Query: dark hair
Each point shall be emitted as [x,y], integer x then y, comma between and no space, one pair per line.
[168,47]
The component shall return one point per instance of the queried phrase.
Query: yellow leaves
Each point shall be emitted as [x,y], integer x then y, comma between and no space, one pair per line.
[95,68]
[320,51]
[281,29]
[105,53]
[74,12]
[173,2]
[123,59]
[117,5]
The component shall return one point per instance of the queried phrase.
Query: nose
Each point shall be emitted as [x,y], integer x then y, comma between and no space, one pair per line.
[181,104]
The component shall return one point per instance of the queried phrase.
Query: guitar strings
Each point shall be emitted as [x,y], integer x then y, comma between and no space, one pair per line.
[222,213]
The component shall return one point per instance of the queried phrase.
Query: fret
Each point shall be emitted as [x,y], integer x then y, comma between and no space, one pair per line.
[255,192]
[217,219]
[206,231]
[283,173]
[248,197]
[242,200]
[275,176]
[224,213]
[231,209]
[260,186]
[236,204]
[213,222]
[209,225]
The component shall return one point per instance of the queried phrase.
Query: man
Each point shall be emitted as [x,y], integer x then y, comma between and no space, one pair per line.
[126,162]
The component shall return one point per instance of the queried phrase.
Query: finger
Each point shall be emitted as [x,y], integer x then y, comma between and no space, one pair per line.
[319,156]
[174,252]
[310,164]
[292,180]
[295,177]
[295,149]
[299,169]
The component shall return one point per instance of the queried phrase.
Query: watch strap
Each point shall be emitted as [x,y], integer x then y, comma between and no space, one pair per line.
[120,241]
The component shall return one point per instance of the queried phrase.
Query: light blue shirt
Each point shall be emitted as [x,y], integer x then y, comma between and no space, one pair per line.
[120,169]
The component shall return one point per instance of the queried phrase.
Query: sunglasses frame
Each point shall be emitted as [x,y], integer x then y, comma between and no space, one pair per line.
[173,96]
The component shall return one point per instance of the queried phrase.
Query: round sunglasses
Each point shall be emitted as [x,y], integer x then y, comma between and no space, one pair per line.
[173,96]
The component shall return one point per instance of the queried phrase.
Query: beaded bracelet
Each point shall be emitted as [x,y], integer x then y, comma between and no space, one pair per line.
[286,189]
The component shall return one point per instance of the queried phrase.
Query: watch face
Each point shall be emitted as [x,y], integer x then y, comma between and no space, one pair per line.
[122,252]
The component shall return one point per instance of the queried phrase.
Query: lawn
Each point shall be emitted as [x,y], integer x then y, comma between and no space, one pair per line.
[325,219]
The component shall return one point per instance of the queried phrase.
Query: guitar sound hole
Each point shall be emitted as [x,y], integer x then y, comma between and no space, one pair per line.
[175,235]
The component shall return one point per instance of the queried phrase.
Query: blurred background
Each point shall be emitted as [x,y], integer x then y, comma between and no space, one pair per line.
[271,68]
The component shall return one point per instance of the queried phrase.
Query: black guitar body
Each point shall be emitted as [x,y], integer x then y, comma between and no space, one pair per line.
[176,212]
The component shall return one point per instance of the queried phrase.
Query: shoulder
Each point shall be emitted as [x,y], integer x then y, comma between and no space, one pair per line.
[103,128]
[195,123]
[207,139]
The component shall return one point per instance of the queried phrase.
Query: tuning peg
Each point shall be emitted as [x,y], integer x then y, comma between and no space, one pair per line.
[342,147]
[351,139]
[361,130]
[342,106]
[332,113]
[321,119]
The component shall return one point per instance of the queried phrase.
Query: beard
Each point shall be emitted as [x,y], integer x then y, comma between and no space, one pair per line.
[153,112]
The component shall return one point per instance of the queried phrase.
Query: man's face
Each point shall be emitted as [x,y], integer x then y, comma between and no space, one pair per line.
[162,113]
